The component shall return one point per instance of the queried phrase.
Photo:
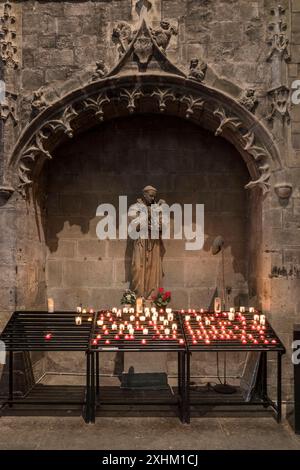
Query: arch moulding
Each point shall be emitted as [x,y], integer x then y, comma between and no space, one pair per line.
[143,81]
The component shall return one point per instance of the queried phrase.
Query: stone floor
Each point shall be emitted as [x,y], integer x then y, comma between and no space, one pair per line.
[241,430]
[145,433]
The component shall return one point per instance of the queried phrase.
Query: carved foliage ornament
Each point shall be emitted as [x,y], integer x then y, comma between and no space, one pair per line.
[280,104]
[37,148]
[8,48]
[8,108]
[278,40]
[257,152]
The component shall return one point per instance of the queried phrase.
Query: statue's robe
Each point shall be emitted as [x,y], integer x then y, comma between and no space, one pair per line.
[146,266]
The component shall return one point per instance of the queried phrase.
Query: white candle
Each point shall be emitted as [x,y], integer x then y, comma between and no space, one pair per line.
[166,322]
[114,326]
[84,310]
[170,316]
[147,311]
[114,310]
[50,305]
[198,318]
[231,316]
[153,310]
[242,309]
[79,309]
[207,321]
[174,326]
[251,309]
[78,320]
[99,322]
[161,318]
[256,317]
[125,310]
[145,331]
[217,305]
[90,319]
[142,318]
[187,318]
[262,319]
[131,331]
[167,331]
[132,318]
[119,313]
[232,310]
[168,310]
[139,304]
[122,327]
[131,310]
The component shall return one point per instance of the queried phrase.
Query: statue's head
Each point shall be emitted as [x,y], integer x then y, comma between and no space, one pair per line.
[165,24]
[194,63]
[149,194]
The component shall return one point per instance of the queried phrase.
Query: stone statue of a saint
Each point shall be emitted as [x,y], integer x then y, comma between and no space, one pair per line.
[146,266]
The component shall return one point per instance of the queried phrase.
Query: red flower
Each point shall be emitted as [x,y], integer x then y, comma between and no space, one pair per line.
[168,293]
[161,290]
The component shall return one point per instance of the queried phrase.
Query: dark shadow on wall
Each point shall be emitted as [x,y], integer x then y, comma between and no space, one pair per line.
[186,163]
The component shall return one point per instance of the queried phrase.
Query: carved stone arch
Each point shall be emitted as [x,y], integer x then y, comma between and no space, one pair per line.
[118,96]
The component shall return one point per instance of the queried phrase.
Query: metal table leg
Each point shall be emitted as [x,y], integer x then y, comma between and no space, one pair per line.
[279,380]
[93,391]
[11,379]
[187,388]
[97,374]
[88,389]
[265,379]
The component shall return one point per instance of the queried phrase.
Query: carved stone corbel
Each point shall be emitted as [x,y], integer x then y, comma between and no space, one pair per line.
[280,103]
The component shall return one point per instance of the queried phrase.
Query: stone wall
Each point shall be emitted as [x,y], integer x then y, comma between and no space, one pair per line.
[187,165]
[58,41]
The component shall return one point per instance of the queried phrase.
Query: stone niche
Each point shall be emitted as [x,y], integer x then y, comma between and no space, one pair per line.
[188,165]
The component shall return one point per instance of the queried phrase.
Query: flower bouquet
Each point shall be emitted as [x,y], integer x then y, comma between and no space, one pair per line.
[128,298]
[162,298]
